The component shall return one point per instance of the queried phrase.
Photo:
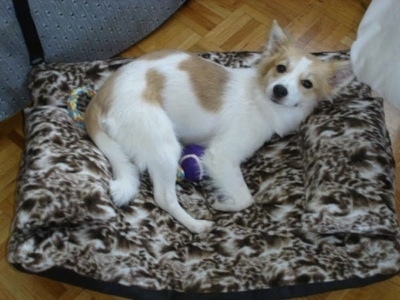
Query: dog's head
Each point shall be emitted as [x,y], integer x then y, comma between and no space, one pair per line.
[292,77]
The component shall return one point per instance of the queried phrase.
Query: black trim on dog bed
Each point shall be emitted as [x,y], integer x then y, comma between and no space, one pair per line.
[137,293]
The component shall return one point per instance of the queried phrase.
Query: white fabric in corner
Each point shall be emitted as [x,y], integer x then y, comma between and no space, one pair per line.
[376,52]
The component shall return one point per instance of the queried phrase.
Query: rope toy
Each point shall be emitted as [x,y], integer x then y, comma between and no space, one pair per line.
[72,104]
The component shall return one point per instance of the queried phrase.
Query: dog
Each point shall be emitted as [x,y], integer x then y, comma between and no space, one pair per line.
[148,108]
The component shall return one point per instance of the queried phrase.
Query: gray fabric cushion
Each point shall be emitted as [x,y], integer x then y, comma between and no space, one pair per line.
[87,30]
[72,31]
[14,63]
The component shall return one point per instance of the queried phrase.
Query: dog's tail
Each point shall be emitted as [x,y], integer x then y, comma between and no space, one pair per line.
[125,184]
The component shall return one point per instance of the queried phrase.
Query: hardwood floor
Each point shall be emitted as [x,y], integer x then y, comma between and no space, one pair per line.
[202,25]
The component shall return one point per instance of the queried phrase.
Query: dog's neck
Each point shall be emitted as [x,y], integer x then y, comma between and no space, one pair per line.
[285,119]
[288,119]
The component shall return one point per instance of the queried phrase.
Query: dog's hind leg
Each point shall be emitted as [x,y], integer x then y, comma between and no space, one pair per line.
[125,183]
[161,153]
[163,173]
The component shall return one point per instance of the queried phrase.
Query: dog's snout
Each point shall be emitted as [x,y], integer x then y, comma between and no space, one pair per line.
[280,91]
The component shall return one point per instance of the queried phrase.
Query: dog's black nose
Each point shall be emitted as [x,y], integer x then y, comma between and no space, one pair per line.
[280,91]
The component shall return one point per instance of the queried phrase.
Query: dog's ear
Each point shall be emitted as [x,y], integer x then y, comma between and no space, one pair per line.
[341,75]
[277,39]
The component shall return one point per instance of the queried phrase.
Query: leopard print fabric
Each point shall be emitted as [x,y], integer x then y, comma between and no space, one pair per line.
[324,208]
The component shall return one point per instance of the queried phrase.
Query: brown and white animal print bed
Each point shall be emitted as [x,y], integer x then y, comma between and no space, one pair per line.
[324,216]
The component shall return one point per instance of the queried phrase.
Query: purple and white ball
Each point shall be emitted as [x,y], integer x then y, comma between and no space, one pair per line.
[191,163]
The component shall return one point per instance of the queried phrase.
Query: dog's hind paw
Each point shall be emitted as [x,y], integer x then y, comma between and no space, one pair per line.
[201,226]
[123,192]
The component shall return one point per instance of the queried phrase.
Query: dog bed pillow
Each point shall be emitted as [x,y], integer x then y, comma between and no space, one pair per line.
[324,216]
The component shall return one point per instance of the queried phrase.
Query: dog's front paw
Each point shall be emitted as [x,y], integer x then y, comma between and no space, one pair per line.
[201,226]
[230,204]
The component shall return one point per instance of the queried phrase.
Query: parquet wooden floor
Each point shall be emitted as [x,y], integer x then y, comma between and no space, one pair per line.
[317,25]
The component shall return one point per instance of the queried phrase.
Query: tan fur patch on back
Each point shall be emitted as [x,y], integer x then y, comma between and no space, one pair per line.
[155,82]
[208,81]
[92,115]
[99,106]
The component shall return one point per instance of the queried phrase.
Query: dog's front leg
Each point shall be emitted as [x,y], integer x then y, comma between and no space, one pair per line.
[227,177]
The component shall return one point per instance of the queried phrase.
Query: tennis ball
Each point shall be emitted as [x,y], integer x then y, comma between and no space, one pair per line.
[191,163]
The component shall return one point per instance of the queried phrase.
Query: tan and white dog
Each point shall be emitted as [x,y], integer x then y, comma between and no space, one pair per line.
[149,107]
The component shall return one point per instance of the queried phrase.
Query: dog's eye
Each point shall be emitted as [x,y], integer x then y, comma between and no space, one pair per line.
[281,68]
[307,84]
